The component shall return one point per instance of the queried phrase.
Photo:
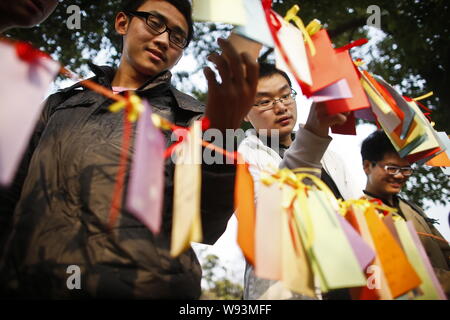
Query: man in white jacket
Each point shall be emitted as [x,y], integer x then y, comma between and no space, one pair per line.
[272,145]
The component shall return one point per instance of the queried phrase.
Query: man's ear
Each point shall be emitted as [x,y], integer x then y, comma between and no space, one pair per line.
[121,23]
[367,166]
[246,119]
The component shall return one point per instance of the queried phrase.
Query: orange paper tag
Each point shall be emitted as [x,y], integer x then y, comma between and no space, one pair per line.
[441,160]
[385,94]
[245,211]
[400,275]
[323,64]
[348,71]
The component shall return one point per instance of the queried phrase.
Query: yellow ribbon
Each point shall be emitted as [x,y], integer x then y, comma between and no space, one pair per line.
[364,204]
[317,182]
[135,107]
[359,63]
[294,194]
[313,27]
[291,15]
[302,199]
[283,176]
[427,95]
[160,122]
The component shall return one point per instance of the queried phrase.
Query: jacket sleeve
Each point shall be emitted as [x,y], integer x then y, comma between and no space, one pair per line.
[217,192]
[443,245]
[442,274]
[217,199]
[306,151]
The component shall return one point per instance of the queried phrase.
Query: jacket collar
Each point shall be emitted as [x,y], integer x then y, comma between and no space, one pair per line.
[105,74]
[385,201]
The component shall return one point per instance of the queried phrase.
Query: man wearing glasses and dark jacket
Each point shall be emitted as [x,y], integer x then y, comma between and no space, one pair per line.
[387,173]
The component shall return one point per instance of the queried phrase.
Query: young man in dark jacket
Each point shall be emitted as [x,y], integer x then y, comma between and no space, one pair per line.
[63,191]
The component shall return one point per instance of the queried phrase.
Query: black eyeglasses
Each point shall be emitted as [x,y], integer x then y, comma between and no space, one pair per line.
[267,104]
[158,26]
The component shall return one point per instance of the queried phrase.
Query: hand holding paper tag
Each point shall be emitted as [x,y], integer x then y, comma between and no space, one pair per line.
[231,100]
[319,120]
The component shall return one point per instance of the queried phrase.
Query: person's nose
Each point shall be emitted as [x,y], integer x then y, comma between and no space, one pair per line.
[399,175]
[279,107]
[162,40]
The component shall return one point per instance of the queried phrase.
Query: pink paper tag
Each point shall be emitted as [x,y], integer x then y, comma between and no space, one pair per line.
[362,250]
[23,86]
[338,90]
[145,194]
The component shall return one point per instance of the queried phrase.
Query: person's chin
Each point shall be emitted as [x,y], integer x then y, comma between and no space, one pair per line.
[149,68]
[393,188]
[286,129]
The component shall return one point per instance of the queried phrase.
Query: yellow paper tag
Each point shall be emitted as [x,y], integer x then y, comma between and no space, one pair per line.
[187,192]
[229,11]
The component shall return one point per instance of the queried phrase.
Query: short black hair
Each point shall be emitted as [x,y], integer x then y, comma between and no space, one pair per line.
[375,146]
[184,6]
[268,69]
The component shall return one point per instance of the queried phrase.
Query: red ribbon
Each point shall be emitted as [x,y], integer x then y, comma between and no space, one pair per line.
[353,44]
[27,53]
[206,123]
[379,202]
[120,178]
[274,26]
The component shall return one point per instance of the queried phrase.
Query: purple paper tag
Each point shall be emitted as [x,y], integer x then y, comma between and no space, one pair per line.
[145,194]
[362,250]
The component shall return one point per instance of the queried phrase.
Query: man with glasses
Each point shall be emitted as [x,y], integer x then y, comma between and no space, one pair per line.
[387,173]
[63,197]
[273,145]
